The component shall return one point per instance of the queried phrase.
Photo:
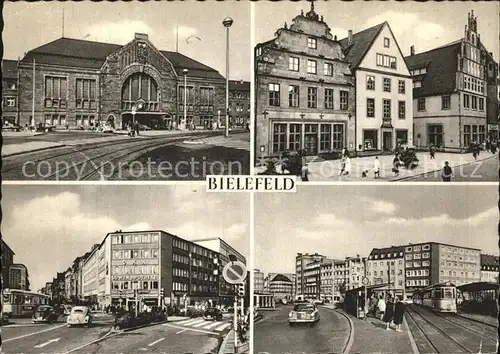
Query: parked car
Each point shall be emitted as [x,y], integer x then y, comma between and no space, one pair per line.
[79,316]
[212,314]
[303,313]
[44,314]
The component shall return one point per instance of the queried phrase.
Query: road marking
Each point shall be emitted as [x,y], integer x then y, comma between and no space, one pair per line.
[156,342]
[189,329]
[211,325]
[223,327]
[200,324]
[55,340]
[184,330]
[109,334]
[33,334]
[188,322]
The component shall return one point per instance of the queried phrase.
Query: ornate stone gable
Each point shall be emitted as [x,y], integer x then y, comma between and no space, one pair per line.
[312,24]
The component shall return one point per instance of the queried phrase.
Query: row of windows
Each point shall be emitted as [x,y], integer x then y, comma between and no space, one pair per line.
[417,264]
[135,254]
[386,61]
[179,286]
[467,128]
[139,238]
[471,102]
[312,97]
[409,257]
[384,272]
[418,282]
[462,274]
[55,119]
[458,265]
[312,66]
[451,249]
[180,259]
[419,71]
[389,255]
[135,269]
[418,248]
[386,84]
[417,273]
[383,263]
[240,107]
[473,84]
[331,136]
[386,104]
[133,285]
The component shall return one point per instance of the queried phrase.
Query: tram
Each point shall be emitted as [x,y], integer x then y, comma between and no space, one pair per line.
[22,303]
[439,297]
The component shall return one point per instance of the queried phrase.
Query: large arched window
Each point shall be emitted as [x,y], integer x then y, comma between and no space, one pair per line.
[140,85]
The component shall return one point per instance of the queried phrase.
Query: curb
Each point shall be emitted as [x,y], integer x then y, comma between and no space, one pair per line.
[350,341]
[434,171]
[35,150]
[224,341]
[141,326]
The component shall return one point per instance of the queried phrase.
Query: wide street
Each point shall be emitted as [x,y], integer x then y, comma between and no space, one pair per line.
[273,334]
[151,156]
[179,336]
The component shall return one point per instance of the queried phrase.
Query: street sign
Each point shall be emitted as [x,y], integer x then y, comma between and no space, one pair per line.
[366,281]
[234,272]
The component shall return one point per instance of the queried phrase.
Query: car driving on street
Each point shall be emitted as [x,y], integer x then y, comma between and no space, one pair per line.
[44,314]
[303,313]
[212,314]
[79,316]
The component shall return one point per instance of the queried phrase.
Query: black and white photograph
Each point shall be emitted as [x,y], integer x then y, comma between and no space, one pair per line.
[394,269]
[125,90]
[377,91]
[138,268]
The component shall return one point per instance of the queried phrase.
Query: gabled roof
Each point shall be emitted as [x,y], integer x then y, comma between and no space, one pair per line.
[92,55]
[387,250]
[362,41]
[489,260]
[9,69]
[441,64]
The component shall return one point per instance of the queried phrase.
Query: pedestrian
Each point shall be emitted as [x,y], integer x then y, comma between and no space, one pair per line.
[137,128]
[389,312]
[304,170]
[376,168]
[493,147]
[399,310]
[475,150]
[447,172]
[342,165]
[347,165]
[396,162]
[432,152]
[381,307]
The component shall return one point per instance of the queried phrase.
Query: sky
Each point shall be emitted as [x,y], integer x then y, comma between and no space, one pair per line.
[342,221]
[116,22]
[48,226]
[425,25]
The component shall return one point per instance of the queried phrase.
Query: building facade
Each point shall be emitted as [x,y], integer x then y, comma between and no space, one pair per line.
[327,290]
[385,266]
[339,279]
[258,280]
[271,276]
[383,106]
[7,261]
[354,271]
[79,83]
[489,268]
[312,277]
[492,95]
[58,290]
[9,92]
[281,286]
[449,93]
[19,277]
[304,90]
[302,260]
[239,103]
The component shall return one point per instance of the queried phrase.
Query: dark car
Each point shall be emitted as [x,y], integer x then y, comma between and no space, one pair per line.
[212,314]
[44,314]
[409,157]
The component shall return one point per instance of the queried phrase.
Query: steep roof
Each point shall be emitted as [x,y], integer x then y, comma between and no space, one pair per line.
[281,277]
[9,69]
[92,55]
[387,250]
[489,260]
[362,41]
[441,65]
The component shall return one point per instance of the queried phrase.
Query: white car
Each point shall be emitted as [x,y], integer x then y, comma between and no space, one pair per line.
[303,313]
[79,316]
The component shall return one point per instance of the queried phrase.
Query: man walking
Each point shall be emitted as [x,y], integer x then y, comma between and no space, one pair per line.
[447,172]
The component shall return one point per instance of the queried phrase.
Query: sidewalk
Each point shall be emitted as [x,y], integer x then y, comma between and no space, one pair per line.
[371,336]
[329,170]
[227,346]
[480,318]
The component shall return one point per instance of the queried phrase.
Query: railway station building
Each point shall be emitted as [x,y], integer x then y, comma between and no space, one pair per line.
[79,83]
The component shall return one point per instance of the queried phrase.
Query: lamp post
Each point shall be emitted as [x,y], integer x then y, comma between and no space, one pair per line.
[185,71]
[228,21]
[218,119]
[134,111]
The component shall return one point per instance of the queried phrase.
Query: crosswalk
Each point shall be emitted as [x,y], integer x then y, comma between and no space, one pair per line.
[201,324]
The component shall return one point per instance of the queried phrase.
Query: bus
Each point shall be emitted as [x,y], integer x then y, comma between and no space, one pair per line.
[22,303]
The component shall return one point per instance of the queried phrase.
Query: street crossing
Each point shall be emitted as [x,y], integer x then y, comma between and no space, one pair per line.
[201,324]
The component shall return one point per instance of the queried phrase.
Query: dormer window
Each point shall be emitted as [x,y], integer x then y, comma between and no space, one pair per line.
[312,43]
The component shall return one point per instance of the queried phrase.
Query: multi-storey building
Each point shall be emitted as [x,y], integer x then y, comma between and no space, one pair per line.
[354,271]
[19,277]
[7,261]
[383,108]
[492,95]
[9,91]
[312,277]
[226,253]
[58,290]
[339,279]
[327,290]
[449,92]
[281,286]
[304,90]
[48,289]
[79,83]
[68,282]
[385,266]
[239,103]
[489,268]
[301,262]
[431,263]
[90,276]
[271,276]
[258,280]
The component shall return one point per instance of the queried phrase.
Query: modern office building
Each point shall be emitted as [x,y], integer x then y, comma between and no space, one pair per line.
[450,92]
[327,280]
[385,267]
[258,280]
[302,260]
[312,277]
[489,268]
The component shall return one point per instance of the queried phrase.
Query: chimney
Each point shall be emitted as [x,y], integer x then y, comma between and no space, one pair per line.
[349,37]
[412,50]
[142,36]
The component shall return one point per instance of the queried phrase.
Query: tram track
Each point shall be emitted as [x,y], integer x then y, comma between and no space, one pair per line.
[484,332]
[440,337]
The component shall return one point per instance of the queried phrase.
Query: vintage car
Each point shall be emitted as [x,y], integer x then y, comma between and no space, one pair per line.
[303,313]
[44,314]
[79,316]
[212,314]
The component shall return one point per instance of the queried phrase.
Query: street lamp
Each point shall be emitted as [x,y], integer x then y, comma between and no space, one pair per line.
[228,21]
[134,111]
[185,71]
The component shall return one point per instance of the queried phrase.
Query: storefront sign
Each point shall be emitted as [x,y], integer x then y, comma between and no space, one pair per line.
[134,277]
[492,127]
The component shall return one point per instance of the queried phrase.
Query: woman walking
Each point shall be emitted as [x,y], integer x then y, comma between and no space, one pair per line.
[399,310]
[381,307]
[389,313]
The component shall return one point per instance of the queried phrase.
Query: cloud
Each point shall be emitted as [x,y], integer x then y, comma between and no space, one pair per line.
[329,220]
[117,32]
[379,206]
